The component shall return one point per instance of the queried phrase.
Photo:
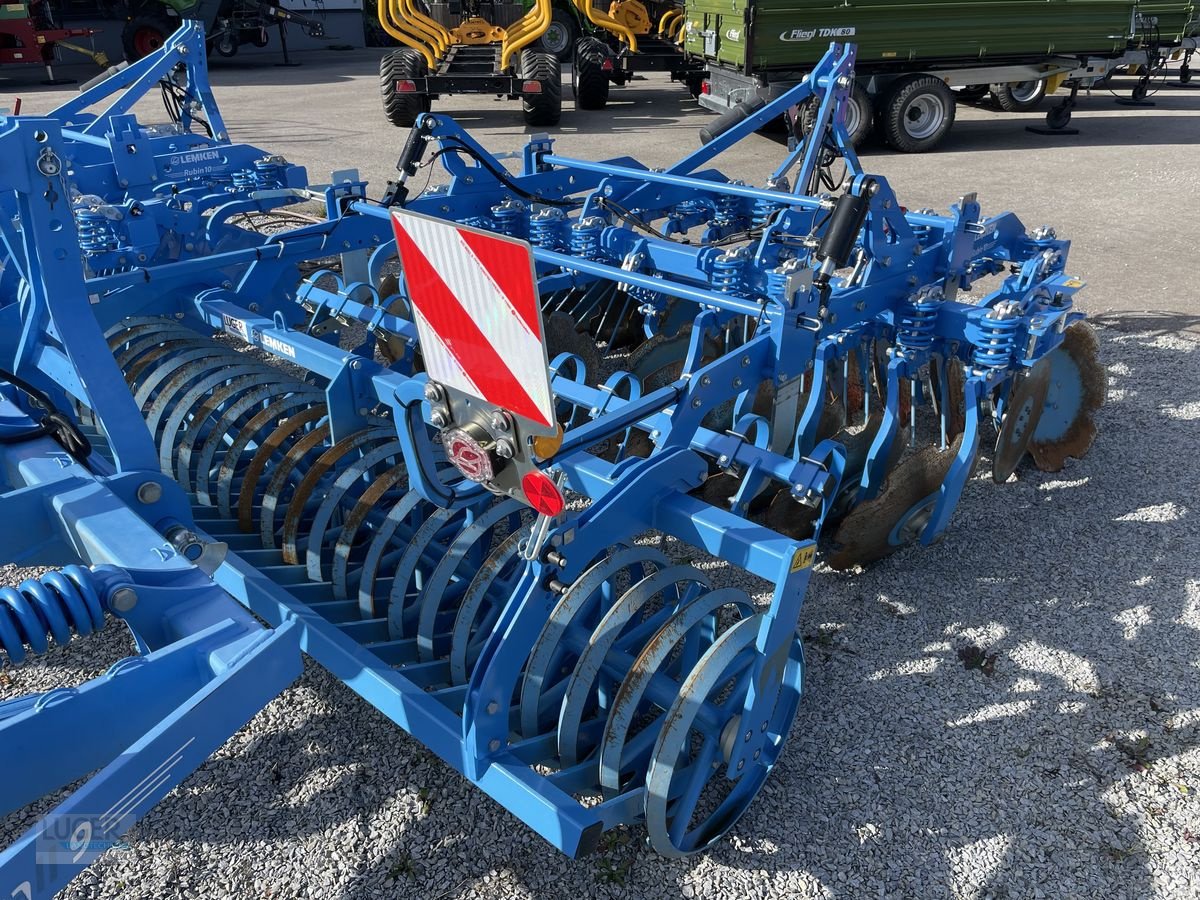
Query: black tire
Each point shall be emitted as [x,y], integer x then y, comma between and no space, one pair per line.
[588,75]
[402,65]
[560,35]
[226,45]
[1058,117]
[544,108]
[695,85]
[145,33]
[1020,96]
[1139,91]
[860,115]
[916,113]
[1185,75]
[973,93]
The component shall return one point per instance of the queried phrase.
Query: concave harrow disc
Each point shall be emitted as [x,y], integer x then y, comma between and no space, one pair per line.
[1078,384]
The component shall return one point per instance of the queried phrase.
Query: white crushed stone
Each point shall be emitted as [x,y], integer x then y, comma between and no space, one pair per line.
[1071,771]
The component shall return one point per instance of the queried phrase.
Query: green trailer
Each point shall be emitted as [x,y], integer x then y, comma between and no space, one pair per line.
[911,55]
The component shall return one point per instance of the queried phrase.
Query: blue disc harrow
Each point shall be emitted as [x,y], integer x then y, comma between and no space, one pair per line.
[220,406]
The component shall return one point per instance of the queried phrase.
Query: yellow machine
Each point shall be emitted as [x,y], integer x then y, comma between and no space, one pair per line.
[632,36]
[473,57]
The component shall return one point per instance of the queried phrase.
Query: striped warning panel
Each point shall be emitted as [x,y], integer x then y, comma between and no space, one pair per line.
[477,311]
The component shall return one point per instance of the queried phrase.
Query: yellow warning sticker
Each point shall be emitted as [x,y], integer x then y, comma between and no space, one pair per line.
[804,557]
[1073,283]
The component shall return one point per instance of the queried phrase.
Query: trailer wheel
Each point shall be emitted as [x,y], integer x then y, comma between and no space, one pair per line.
[1058,118]
[1020,96]
[545,107]
[916,113]
[560,35]
[402,65]
[860,115]
[588,75]
[227,45]
[144,34]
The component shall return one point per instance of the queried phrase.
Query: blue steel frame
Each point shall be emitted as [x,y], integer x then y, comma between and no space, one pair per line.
[181,256]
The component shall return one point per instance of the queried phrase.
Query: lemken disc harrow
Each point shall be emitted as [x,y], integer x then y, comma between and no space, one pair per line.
[438,441]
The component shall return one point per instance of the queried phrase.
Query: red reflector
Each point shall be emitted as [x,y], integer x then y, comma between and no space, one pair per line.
[405,87]
[606,66]
[542,493]
[705,87]
[468,455]
[531,87]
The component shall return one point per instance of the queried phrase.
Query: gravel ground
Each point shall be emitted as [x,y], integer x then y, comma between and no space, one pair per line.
[1012,713]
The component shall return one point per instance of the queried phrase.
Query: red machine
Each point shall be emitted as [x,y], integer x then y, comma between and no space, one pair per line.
[29,34]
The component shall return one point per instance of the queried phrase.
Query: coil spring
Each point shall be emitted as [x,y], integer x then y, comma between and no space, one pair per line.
[999,337]
[777,284]
[510,217]
[548,229]
[96,231]
[268,172]
[727,272]
[585,237]
[50,606]
[915,324]
[727,209]
[763,211]
[243,180]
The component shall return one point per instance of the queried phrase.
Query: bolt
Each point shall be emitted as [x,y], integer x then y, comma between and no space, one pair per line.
[749,735]
[763,726]
[745,361]
[494,744]
[500,421]
[757,754]
[123,600]
[149,492]
[705,381]
[492,707]
[737,383]
[356,364]
[362,411]
[505,449]
[741,764]
[433,391]
[696,403]
[439,418]
[254,307]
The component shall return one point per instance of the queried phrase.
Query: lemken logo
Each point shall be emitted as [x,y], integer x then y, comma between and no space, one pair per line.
[807,34]
[198,156]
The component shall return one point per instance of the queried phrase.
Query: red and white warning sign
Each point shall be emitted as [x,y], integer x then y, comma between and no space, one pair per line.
[478,314]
